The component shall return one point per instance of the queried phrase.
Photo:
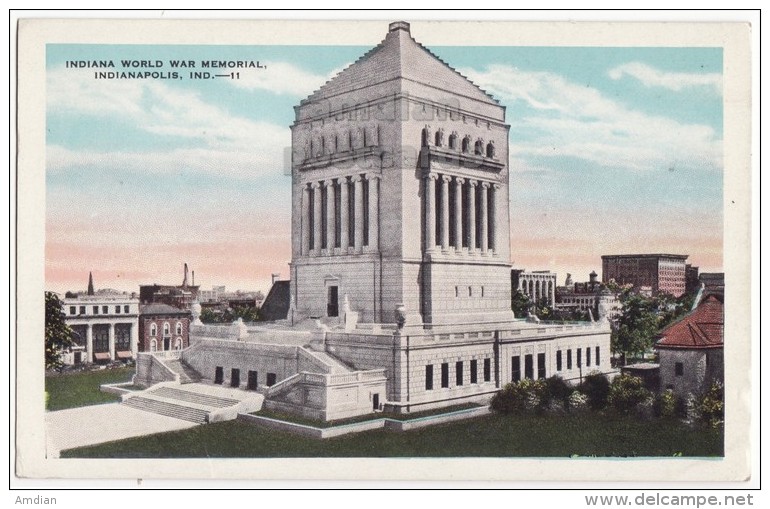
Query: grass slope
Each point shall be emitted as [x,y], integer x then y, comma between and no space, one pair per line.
[489,436]
[81,389]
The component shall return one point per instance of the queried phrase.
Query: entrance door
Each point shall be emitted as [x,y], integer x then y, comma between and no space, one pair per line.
[376,401]
[166,343]
[252,382]
[235,377]
[332,306]
[219,375]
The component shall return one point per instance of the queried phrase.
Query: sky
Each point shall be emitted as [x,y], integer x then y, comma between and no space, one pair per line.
[612,150]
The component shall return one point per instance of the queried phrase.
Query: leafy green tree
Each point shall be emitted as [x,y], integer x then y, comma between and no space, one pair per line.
[637,325]
[58,335]
[627,393]
[596,386]
[520,304]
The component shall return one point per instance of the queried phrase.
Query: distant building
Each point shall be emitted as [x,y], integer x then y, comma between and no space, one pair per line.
[590,295]
[691,279]
[663,273]
[181,296]
[163,327]
[691,349]
[105,326]
[219,298]
[276,304]
[537,284]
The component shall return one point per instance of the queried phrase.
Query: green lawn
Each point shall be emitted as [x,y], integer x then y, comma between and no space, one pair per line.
[71,390]
[488,436]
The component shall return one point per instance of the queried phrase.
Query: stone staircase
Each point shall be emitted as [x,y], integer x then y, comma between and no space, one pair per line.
[156,406]
[336,365]
[193,397]
[187,375]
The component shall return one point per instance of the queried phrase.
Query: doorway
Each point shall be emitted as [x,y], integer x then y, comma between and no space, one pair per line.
[376,401]
[251,384]
[235,377]
[332,305]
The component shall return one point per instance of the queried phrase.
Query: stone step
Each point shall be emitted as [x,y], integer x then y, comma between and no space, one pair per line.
[336,365]
[193,397]
[186,373]
[186,413]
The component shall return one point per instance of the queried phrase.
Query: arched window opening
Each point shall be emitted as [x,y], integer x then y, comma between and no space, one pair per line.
[490,149]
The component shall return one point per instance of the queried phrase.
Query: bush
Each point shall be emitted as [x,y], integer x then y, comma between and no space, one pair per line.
[627,393]
[523,396]
[556,392]
[596,386]
[666,404]
[577,401]
[712,406]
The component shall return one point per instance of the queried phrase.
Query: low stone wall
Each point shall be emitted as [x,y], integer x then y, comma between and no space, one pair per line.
[358,427]
[117,389]
[150,370]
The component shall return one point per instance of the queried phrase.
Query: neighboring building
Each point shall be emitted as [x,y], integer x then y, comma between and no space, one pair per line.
[691,279]
[663,273]
[590,295]
[105,326]
[713,282]
[163,327]
[691,350]
[537,284]
[402,302]
[181,296]
[276,305]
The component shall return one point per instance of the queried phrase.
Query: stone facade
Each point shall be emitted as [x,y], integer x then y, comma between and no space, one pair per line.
[538,284]
[105,326]
[400,192]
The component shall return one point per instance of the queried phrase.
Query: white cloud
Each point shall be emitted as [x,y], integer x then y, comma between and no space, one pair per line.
[566,119]
[677,81]
[213,140]
[283,78]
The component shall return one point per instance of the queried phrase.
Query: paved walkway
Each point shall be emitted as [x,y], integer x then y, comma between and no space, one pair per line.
[88,425]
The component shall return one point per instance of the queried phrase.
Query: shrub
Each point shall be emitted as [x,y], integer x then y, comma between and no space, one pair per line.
[523,396]
[577,401]
[556,391]
[666,404]
[596,386]
[627,392]
[712,406]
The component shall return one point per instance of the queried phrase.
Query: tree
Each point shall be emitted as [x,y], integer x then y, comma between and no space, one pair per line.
[58,335]
[637,325]
[520,304]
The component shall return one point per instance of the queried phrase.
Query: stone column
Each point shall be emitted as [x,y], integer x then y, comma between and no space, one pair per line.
[552,296]
[305,224]
[132,340]
[429,188]
[344,238]
[374,208]
[445,212]
[358,239]
[90,343]
[484,241]
[316,218]
[330,227]
[112,341]
[472,215]
[459,213]
[493,224]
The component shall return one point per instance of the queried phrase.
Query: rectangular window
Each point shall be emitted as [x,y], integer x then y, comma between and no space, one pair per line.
[679,367]
[445,375]
[541,365]
[72,310]
[558,360]
[429,377]
[117,310]
[105,310]
[96,310]
[251,383]
[235,377]
[528,367]
[588,356]
[487,370]
[579,357]
[270,381]
[125,308]
[475,371]
[515,368]
[569,359]
[82,310]
[459,372]
[597,356]
[219,375]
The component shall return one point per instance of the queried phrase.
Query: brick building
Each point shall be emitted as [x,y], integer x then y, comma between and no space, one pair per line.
[163,327]
[663,273]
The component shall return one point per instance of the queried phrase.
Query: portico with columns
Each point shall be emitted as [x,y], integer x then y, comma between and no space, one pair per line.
[105,326]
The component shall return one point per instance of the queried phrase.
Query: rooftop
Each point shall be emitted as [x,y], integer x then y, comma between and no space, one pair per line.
[702,328]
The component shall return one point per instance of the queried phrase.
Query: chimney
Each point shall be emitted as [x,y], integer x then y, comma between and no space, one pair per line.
[90,284]
[184,282]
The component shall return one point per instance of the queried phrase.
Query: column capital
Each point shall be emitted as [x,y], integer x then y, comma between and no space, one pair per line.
[446,178]
[328,183]
[485,185]
[356,178]
[473,182]
[460,180]
[496,186]
[373,176]
[315,185]
[431,176]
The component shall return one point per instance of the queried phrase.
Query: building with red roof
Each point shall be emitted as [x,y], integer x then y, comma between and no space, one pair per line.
[692,349]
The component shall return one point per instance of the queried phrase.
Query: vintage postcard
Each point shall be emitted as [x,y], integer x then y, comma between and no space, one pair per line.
[391,249]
